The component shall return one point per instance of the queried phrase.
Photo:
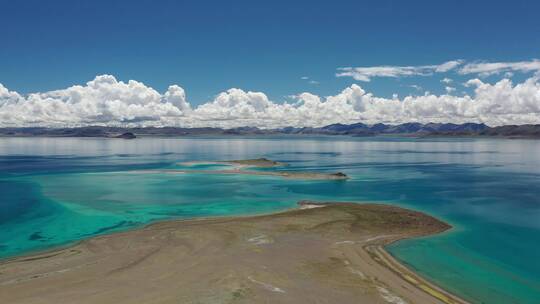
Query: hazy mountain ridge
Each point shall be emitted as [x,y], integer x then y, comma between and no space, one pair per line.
[357,129]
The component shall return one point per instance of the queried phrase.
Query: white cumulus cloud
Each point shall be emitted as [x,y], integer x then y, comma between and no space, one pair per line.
[107,101]
[103,100]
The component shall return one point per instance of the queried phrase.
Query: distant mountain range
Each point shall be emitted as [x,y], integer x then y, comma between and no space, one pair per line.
[357,129]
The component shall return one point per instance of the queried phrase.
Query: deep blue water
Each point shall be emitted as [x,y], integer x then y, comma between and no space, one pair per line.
[54,191]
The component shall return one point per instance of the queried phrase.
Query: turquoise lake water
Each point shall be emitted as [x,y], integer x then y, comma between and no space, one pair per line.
[55,191]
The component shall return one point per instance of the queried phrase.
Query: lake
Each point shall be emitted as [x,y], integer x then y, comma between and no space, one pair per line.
[56,191]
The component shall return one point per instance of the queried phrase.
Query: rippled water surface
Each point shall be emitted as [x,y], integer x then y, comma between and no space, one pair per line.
[54,191]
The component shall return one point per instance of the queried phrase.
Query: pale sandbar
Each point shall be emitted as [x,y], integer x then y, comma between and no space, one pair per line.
[242,166]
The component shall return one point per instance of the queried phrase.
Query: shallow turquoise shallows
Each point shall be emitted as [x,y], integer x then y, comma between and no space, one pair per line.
[56,191]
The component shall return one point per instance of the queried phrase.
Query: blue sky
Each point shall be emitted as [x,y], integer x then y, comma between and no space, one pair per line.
[210,46]
[268,64]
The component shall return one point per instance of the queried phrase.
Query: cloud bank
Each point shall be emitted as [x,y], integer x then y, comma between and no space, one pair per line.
[107,101]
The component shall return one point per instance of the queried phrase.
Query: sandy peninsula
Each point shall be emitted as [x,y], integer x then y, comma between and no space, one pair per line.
[318,253]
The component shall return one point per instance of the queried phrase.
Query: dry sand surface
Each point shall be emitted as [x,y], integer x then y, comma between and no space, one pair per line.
[316,254]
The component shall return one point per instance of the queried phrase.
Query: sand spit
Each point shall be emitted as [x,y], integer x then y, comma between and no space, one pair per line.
[332,254]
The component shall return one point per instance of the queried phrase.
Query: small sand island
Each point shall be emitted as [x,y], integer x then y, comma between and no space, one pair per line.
[240,163]
[258,162]
[243,166]
[318,253]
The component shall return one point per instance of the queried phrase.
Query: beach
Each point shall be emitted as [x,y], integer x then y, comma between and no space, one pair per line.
[317,253]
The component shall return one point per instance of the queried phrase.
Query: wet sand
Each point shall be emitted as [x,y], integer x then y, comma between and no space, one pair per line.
[315,254]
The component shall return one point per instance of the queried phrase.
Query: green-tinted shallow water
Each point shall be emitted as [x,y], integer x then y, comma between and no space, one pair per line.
[57,191]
